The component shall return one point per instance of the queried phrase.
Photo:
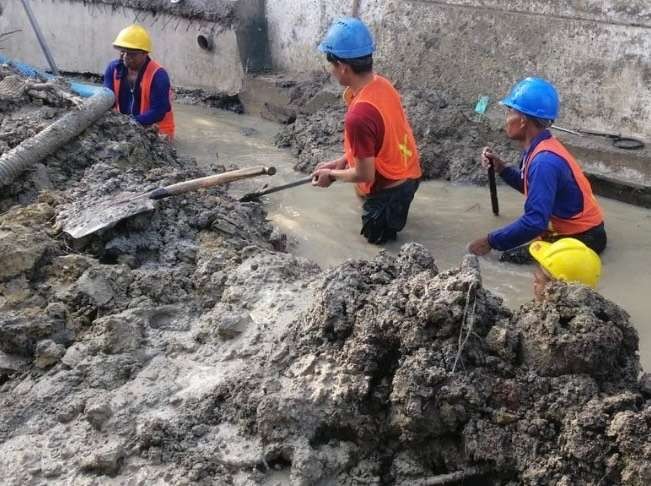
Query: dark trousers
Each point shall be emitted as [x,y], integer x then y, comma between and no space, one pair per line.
[594,238]
[384,213]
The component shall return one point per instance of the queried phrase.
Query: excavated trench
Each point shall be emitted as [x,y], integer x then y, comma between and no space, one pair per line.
[188,346]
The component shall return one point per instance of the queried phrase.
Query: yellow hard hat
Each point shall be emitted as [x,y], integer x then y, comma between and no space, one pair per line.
[133,37]
[568,259]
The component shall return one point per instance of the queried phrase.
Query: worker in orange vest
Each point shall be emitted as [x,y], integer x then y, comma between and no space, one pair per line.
[559,200]
[141,86]
[380,154]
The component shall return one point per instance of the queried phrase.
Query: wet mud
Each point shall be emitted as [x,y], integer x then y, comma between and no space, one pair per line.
[187,346]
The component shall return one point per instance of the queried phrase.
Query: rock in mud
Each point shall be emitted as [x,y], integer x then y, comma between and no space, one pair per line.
[645,384]
[98,411]
[48,353]
[578,331]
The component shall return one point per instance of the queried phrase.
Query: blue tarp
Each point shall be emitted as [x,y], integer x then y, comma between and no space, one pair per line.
[82,89]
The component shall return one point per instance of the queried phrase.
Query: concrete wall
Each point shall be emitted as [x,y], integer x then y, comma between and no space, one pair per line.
[80,37]
[596,51]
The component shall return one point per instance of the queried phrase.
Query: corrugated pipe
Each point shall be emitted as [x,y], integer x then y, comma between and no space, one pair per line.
[46,142]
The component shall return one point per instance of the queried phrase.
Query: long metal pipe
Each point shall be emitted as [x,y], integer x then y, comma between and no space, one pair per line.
[40,37]
[356,7]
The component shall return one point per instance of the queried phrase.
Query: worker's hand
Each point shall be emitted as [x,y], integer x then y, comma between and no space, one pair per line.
[480,247]
[322,178]
[488,158]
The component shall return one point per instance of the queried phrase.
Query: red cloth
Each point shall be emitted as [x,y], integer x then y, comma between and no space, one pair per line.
[365,129]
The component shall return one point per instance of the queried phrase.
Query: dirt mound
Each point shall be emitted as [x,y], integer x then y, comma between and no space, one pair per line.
[396,374]
[449,135]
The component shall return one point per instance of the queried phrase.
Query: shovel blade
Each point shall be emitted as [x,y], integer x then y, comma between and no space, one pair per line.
[105,214]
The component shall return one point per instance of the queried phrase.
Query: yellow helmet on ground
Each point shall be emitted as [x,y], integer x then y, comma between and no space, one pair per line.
[568,259]
[133,37]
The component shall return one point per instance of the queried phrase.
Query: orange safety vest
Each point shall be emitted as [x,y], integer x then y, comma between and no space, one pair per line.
[591,215]
[398,157]
[166,126]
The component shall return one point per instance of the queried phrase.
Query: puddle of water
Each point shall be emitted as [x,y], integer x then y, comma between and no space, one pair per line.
[444,217]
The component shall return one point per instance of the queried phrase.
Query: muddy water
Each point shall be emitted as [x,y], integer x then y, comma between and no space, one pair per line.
[324,224]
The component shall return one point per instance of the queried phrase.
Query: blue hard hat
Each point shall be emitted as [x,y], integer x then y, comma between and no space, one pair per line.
[535,97]
[348,38]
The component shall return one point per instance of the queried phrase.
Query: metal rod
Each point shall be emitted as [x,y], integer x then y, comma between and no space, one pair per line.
[566,130]
[356,7]
[493,190]
[252,196]
[40,37]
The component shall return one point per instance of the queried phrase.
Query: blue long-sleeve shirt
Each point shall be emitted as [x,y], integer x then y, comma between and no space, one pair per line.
[130,100]
[551,190]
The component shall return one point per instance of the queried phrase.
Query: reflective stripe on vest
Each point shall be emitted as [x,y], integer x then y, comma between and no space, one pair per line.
[591,215]
[166,126]
[398,157]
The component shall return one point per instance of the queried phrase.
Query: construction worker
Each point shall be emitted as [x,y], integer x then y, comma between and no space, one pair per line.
[380,154]
[559,200]
[141,86]
[567,259]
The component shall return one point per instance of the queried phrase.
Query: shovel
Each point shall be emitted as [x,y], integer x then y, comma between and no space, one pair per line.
[109,212]
[254,196]
[480,108]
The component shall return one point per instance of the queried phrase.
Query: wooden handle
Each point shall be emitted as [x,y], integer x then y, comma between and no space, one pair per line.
[492,184]
[210,181]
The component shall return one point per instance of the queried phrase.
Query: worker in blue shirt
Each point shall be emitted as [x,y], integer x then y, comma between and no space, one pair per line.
[141,86]
[559,200]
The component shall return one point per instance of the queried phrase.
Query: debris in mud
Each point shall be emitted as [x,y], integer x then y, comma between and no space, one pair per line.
[221,11]
[218,100]
[448,133]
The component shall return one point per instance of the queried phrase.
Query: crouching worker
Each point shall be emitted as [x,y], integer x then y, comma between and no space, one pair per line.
[380,154]
[141,86]
[558,196]
[568,260]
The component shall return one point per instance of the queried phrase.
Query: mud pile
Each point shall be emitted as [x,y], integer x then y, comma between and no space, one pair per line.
[449,134]
[82,319]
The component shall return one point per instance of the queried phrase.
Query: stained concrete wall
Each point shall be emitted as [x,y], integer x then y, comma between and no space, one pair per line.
[596,51]
[80,36]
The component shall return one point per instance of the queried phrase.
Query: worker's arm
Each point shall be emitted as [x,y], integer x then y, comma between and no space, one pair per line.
[160,100]
[365,131]
[513,178]
[339,163]
[543,185]
[508,174]
[364,171]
